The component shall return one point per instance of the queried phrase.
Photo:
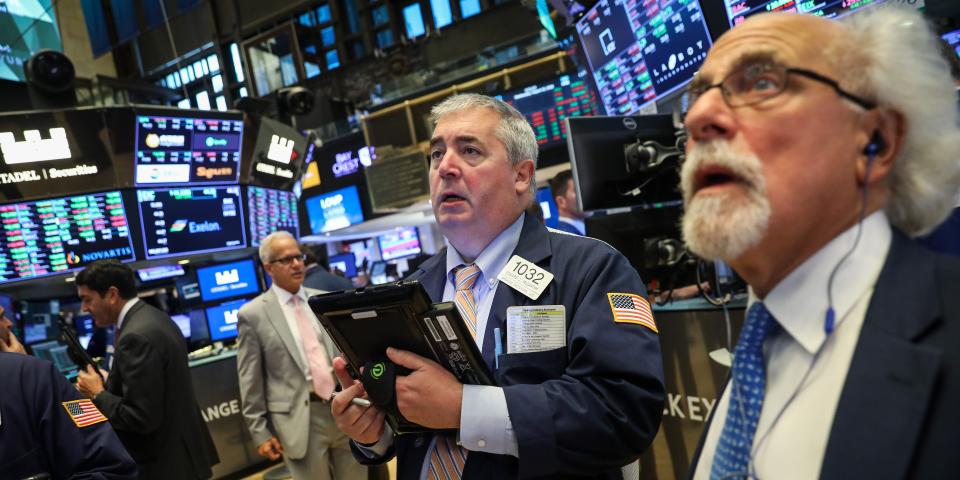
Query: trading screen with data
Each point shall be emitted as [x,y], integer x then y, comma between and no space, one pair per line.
[54,236]
[270,210]
[639,52]
[184,150]
[546,104]
[191,220]
[739,10]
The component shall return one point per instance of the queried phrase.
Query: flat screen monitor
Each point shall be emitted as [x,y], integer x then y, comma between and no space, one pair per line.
[181,147]
[345,262]
[378,272]
[596,146]
[334,210]
[639,54]
[83,323]
[199,331]
[953,39]
[403,242]
[739,10]
[48,237]
[222,320]
[160,272]
[28,26]
[191,220]
[56,353]
[277,156]
[548,206]
[182,321]
[228,280]
[54,153]
[546,104]
[270,210]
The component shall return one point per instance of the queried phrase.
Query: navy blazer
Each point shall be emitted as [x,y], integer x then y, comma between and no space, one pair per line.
[897,416]
[578,412]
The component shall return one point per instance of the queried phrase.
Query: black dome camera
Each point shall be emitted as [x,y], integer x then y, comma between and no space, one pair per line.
[50,71]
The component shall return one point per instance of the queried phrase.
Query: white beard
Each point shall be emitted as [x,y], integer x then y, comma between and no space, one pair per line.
[720,226]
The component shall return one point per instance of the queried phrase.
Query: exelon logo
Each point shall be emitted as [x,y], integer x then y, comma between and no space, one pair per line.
[178,226]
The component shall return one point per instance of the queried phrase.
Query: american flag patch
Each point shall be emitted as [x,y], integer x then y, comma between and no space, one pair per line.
[630,308]
[84,413]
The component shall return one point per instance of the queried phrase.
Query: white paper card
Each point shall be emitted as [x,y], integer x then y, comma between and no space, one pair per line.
[536,328]
[525,277]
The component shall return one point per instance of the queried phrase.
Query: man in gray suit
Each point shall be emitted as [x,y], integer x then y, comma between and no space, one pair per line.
[285,377]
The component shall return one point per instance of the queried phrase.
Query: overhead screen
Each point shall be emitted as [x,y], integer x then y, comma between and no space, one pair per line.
[277,156]
[334,210]
[228,280]
[191,220]
[403,242]
[639,52]
[739,10]
[271,210]
[54,236]
[179,147]
[26,26]
[546,104]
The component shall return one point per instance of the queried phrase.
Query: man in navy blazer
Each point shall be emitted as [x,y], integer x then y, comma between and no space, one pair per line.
[816,150]
[582,407]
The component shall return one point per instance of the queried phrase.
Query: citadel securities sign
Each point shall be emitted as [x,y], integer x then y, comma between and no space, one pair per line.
[34,149]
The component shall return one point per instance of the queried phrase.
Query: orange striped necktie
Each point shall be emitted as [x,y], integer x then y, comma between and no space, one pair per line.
[447,458]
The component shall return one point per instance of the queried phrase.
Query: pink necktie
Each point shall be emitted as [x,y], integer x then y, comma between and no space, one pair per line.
[314,351]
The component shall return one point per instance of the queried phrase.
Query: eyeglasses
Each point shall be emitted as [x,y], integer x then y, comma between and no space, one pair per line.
[288,260]
[757,82]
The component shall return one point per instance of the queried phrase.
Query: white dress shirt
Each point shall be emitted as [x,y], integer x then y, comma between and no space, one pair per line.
[285,297]
[793,445]
[124,311]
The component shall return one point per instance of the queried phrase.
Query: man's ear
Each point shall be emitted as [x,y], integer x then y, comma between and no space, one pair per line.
[523,177]
[882,136]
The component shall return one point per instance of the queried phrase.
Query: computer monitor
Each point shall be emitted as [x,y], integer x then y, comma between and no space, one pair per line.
[49,237]
[199,330]
[739,10]
[345,262]
[334,210]
[270,210]
[227,280]
[596,146]
[222,320]
[548,206]
[378,272]
[400,243]
[638,55]
[277,156]
[159,272]
[191,220]
[953,39]
[53,351]
[184,147]
[182,320]
[546,104]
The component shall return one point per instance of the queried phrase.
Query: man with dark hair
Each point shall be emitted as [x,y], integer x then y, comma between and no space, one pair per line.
[565,195]
[318,277]
[148,396]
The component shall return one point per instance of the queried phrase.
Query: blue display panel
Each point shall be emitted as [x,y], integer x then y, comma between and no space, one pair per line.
[638,52]
[739,10]
[185,149]
[227,280]
[546,104]
[222,320]
[270,210]
[334,210]
[551,216]
[399,243]
[191,220]
[182,321]
[48,237]
[345,262]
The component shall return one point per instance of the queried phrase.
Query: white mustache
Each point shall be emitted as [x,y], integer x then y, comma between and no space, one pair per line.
[719,153]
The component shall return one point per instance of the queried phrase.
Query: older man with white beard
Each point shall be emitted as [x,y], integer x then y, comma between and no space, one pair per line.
[816,149]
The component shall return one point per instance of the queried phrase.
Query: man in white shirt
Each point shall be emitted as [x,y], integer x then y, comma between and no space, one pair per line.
[284,367]
[816,148]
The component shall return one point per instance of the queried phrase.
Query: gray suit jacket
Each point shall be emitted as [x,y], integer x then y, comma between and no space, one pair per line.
[273,387]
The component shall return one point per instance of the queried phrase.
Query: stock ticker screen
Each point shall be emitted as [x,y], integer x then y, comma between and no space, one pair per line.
[191,220]
[546,105]
[271,210]
[639,52]
[184,150]
[54,236]
[739,10]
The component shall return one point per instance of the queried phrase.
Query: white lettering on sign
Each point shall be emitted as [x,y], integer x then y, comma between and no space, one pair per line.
[281,149]
[20,177]
[72,172]
[34,148]
[689,407]
[222,410]
[228,276]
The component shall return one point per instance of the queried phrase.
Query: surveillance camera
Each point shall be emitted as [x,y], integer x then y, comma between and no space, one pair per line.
[50,71]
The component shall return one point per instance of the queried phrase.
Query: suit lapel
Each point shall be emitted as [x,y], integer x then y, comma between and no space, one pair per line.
[274,313]
[891,377]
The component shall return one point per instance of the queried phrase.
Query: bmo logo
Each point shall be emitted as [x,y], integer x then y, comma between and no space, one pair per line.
[227,277]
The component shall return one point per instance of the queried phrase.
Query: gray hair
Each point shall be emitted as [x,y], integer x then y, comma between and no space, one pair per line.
[898,63]
[267,244]
[514,131]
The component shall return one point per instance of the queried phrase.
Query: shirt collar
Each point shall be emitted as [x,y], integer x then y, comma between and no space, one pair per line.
[125,310]
[799,302]
[494,256]
[581,226]
[284,296]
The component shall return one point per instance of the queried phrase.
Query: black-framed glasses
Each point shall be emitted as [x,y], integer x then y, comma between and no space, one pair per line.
[757,82]
[288,260]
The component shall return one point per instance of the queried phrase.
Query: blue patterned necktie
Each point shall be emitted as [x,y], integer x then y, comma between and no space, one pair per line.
[732,458]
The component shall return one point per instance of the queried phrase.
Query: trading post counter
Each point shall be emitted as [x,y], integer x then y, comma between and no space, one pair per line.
[217,388]
[693,339]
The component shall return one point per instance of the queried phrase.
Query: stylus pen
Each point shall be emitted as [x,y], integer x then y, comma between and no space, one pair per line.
[360,402]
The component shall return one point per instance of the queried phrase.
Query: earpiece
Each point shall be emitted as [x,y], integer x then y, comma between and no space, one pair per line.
[875,146]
